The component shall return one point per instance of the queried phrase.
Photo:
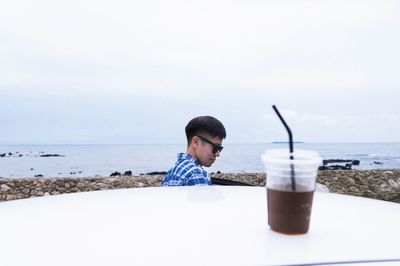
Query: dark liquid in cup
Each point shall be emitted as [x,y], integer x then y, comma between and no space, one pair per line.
[289,212]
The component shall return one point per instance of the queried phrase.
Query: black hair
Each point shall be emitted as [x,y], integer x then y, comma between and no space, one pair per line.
[204,124]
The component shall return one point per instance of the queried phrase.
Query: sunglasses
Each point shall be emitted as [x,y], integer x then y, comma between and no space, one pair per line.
[215,147]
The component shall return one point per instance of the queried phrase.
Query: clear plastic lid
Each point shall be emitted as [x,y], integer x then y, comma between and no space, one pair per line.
[280,158]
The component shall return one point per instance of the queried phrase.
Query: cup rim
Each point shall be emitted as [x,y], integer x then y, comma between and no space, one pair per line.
[305,157]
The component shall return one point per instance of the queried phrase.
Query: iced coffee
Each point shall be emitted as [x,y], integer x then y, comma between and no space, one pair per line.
[290,188]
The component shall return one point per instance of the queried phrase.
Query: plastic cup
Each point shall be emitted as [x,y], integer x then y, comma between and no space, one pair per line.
[289,205]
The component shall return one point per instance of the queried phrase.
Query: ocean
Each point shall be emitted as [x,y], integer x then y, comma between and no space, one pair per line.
[25,161]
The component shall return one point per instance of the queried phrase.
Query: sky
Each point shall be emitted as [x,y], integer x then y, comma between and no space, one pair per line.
[135,72]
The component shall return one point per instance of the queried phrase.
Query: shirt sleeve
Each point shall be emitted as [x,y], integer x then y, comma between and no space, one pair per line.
[197,178]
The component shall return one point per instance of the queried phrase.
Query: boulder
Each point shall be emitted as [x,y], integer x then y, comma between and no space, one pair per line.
[128,173]
[329,161]
[336,167]
[157,173]
[116,174]
[4,188]
[51,155]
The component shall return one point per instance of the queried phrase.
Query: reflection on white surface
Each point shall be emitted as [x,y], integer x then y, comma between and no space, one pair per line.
[205,194]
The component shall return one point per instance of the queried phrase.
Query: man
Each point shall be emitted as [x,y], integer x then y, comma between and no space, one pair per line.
[204,136]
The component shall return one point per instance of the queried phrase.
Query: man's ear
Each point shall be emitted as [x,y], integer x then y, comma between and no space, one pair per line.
[195,142]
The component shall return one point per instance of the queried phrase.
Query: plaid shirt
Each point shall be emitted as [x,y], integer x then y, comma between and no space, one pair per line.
[186,172]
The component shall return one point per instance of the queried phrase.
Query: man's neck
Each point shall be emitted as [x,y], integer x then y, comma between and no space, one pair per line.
[191,152]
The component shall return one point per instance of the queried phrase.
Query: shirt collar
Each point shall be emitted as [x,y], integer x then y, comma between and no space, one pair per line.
[187,156]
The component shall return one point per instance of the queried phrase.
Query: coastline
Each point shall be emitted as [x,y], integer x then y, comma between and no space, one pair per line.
[54,161]
[375,184]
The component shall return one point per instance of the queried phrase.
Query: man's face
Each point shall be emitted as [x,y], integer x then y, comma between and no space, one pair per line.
[207,149]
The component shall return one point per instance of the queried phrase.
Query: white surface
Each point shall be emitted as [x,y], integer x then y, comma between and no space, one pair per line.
[190,226]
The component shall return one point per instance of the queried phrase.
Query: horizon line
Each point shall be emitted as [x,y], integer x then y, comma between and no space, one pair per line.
[228,143]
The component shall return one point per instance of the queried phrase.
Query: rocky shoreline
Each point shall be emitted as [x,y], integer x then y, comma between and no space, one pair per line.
[376,184]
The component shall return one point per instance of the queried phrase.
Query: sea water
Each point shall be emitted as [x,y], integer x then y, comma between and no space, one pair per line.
[102,160]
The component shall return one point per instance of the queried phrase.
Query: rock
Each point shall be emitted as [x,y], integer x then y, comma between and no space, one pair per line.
[351,180]
[393,184]
[116,174]
[51,155]
[21,196]
[4,188]
[11,197]
[128,173]
[157,173]
[328,161]
[217,173]
[74,189]
[366,183]
[101,185]
[343,164]
[336,167]
[354,189]
[12,184]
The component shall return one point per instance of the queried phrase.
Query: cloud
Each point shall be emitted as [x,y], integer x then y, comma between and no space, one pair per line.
[315,127]
[334,62]
[331,120]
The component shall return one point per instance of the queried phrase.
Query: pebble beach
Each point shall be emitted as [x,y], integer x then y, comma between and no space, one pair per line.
[380,184]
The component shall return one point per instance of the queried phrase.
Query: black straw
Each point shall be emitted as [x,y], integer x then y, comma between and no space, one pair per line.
[290,147]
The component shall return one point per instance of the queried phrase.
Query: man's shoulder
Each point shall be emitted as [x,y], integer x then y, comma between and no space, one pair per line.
[187,167]
[186,171]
